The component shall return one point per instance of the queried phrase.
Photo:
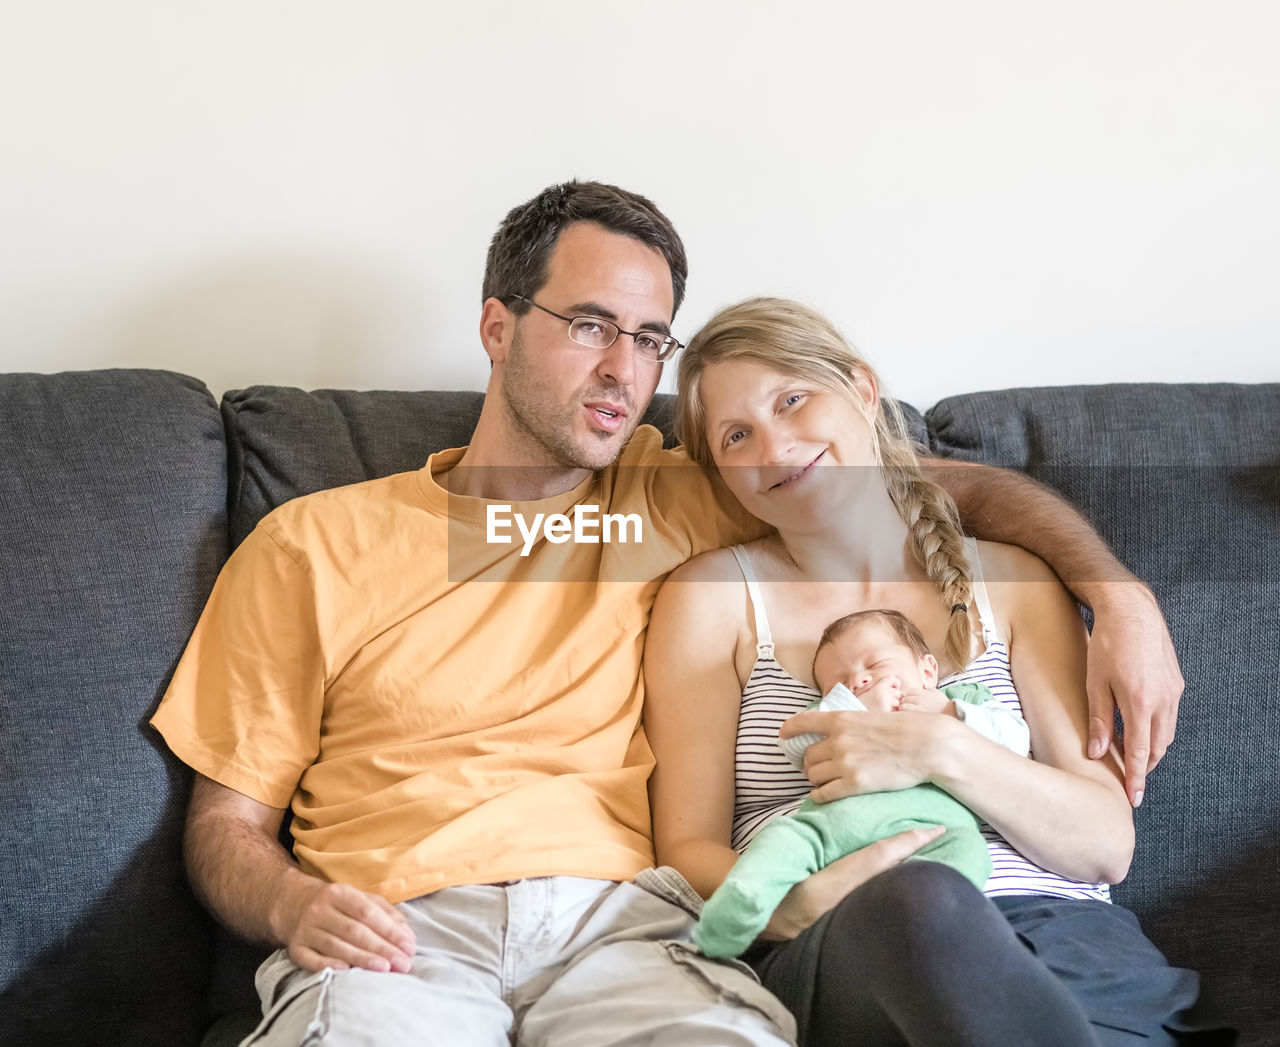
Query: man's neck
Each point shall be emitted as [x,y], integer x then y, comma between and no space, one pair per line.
[496,467]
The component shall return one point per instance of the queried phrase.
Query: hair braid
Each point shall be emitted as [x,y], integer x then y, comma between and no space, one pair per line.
[933,525]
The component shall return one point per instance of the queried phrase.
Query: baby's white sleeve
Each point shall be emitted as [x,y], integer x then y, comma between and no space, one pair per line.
[838,699]
[1000,724]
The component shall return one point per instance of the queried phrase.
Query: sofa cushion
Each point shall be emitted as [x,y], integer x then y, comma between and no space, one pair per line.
[283,442]
[1184,482]
[113,527]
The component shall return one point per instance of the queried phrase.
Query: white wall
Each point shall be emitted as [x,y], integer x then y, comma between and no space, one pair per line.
[983,194]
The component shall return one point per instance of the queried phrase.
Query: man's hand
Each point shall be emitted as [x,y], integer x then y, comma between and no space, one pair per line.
[336,925]
[252,884]
[825,889]
[1133,666]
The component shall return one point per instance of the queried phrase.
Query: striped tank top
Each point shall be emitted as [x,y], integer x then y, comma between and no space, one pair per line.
[766,784]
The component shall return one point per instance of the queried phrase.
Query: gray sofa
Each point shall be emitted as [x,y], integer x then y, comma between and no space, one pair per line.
[121,493]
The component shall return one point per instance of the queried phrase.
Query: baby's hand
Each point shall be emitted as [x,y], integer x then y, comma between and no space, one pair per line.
[925,702]
[883,696]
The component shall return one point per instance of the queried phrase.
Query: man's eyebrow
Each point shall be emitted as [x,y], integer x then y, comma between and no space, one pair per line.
[605,313]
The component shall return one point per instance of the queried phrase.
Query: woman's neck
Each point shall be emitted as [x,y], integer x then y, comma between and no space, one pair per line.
[867,544]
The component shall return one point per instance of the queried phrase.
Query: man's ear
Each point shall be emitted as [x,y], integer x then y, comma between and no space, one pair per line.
[929,671]
[497,329]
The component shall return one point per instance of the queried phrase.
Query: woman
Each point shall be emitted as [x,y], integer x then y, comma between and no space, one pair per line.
[773,398]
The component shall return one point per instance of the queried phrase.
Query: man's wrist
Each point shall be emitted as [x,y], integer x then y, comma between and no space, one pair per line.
[1116,596]
[293,892]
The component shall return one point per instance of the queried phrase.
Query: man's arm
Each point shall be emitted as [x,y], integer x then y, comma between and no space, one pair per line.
[1131,662]
[241,872]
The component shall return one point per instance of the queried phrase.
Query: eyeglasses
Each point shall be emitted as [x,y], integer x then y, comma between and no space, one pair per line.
[595,333]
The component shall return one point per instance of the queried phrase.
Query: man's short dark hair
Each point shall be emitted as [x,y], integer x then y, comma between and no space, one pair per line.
[522,246]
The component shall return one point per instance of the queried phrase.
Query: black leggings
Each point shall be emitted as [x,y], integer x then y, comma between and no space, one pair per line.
[917,956]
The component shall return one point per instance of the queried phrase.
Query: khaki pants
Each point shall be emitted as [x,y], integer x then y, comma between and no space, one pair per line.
[548,962]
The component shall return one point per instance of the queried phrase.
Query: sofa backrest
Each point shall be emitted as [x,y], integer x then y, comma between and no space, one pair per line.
[1184,482]
[112,530]
[284,442]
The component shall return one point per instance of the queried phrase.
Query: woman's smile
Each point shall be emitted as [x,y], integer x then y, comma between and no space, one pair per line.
[793,478]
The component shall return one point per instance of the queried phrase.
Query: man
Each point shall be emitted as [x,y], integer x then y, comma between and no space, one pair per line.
[455,718]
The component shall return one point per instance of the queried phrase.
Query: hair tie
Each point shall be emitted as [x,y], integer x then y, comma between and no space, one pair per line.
[962,608]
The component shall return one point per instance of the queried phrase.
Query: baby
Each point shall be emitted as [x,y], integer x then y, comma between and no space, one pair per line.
[878,661]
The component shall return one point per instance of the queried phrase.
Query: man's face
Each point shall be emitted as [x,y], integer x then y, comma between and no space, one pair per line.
[570,405]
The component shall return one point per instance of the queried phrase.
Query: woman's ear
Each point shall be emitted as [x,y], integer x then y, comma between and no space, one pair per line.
[864,387]
[497,329]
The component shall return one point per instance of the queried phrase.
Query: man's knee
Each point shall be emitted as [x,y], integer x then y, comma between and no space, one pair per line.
[630,989]
[357,1008]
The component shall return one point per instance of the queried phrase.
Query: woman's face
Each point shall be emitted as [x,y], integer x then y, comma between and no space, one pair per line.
[774,438]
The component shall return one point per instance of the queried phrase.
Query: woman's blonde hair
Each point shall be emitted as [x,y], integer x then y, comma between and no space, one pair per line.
[793,339]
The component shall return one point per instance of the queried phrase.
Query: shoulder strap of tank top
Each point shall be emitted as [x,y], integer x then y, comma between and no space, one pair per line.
[985,617]
[764,638]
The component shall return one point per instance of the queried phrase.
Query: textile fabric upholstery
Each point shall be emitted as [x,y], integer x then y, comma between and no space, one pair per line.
[114,488]
[284,442]
[112,530]
[1184,482]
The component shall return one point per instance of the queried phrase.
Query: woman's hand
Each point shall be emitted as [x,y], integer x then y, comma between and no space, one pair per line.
[824,890]
[866,752]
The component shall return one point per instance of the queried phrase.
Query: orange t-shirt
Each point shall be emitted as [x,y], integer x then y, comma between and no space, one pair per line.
[437,707]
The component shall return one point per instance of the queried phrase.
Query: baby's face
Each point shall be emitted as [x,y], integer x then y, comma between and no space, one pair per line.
[869,659]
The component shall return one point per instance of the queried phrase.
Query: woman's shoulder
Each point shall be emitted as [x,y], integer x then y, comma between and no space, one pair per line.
[1023,589]
[1011,563]
[696,602]
[695,614]
[717,565]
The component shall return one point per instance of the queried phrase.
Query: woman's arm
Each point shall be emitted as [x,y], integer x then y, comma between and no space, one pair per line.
[1062,810]
[1132,663]
[692,699]
[1071,814]
[692,695]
